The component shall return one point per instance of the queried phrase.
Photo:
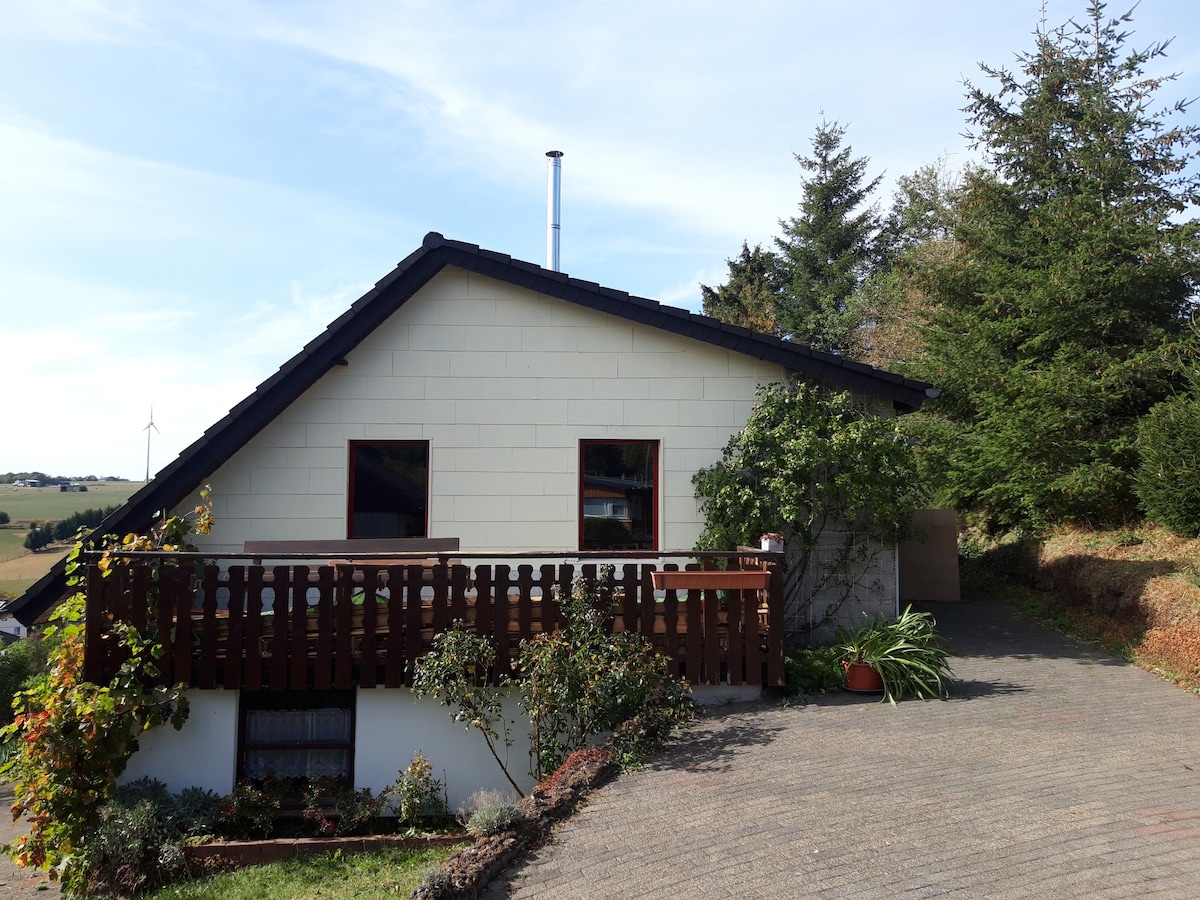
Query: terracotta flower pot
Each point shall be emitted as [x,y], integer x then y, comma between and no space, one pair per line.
[862,677]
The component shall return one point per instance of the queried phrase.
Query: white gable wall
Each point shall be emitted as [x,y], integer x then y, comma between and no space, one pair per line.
[503,383]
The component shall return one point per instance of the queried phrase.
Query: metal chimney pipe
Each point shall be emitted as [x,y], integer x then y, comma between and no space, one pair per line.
[553,206]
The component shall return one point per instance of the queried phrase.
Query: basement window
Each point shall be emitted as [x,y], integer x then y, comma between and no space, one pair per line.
[296,735]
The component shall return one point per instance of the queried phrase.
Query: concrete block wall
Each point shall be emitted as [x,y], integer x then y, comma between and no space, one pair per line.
[810,600]
[503,383]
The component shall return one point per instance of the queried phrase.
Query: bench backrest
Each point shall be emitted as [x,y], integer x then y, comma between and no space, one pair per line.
[351,548]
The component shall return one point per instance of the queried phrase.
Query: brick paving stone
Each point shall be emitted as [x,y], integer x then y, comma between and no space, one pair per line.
[1054,771]
[17,883]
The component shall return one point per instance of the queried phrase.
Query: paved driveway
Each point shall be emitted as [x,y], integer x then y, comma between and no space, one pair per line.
[1056,771]
[18,884]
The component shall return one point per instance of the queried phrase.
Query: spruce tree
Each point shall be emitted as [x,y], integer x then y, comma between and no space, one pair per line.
[1070,274]
[750,297]
[828,249]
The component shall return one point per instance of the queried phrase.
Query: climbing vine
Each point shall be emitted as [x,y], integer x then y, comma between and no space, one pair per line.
[823,471]
[75,737]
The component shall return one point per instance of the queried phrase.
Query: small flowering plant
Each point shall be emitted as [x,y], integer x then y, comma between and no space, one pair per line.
[332,809]
[248,812]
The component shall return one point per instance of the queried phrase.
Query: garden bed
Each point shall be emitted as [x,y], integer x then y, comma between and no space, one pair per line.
[467,872]
[224,855]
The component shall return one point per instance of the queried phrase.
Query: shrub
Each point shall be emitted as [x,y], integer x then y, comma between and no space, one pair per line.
[489,812]
[418,796]
[137,844]
[453,672]
[19,662]
[1167,482]
[133,849]
[582,681]
[577,683]
[248,812]
[334,809]
[637,737]
[195,811]
[189,813]
[813,670]
[835,480]
[984,563]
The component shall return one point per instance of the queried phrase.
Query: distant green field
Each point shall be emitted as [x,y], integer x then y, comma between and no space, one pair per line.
[49,504]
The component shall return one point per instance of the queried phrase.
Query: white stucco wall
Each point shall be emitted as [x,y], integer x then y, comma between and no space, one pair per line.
[503,383]
[203,753]
[392,725]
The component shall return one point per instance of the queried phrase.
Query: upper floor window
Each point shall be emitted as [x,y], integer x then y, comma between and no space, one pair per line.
[618,491]
[389,489]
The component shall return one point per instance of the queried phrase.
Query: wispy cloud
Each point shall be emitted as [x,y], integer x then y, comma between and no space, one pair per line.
[79,21]
[189,192]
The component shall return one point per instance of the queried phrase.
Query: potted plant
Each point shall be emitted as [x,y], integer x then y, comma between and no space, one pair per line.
[897,657]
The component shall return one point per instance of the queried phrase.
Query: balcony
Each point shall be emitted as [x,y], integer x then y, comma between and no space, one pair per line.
[319,624]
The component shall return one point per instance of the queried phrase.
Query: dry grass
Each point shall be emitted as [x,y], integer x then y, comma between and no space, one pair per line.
[1136,590]
[19,573]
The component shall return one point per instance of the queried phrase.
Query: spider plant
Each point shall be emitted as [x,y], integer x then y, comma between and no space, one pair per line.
[906,652]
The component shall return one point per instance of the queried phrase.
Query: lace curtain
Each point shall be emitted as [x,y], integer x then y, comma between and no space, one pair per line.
[297,727]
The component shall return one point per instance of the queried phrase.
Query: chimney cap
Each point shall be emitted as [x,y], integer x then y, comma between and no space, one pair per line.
[554,154]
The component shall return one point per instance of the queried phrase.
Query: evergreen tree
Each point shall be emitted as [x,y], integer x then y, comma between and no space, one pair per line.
[750,297]
[828,249]
[1058,304]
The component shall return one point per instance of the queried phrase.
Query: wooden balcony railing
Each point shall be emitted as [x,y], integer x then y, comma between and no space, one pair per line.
[338,625]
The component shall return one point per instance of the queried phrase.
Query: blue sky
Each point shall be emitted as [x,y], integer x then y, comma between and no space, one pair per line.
[190,191]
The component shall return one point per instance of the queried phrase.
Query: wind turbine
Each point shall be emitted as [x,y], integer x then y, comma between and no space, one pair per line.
[148,429]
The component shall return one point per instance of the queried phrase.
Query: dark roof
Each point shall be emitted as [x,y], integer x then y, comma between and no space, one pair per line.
[328,349]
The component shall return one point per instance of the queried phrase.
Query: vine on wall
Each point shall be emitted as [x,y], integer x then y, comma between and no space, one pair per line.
[817,467]
[74,737]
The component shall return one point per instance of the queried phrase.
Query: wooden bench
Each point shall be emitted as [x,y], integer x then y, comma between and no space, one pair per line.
[350,550]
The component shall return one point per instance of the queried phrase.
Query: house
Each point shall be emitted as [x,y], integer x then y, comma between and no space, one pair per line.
[471,396]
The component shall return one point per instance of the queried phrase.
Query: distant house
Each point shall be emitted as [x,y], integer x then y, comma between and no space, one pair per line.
[470,396]
[11,630]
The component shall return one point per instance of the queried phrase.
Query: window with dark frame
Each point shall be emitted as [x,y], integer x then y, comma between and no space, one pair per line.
[618,491]
[296,736]
[389,489]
